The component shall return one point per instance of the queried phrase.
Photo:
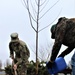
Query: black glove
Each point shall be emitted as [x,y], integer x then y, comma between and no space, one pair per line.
[49,64]
[61,56]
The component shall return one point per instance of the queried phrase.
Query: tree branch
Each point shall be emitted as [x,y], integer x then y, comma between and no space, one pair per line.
[43,3]
[30,17]
[51,22]
[49,9]
[44,6]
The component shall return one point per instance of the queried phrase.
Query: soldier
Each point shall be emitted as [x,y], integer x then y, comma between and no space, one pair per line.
[64,33]
[19,53]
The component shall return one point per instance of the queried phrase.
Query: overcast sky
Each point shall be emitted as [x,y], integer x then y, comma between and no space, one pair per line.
[14,18]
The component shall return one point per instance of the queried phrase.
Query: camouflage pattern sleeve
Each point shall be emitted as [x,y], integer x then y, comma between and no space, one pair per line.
[65,52]
[60,32]
[11,50]
[19,61]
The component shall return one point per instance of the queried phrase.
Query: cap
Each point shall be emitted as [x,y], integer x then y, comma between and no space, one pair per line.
[53,27]
[14,37]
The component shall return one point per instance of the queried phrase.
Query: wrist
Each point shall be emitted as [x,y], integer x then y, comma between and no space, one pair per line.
[51,61]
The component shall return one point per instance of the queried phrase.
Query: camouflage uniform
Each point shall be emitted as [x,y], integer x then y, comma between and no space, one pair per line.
[64,33]
[21,54]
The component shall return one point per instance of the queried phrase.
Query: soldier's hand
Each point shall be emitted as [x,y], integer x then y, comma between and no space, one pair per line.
[15,67]
[49,64]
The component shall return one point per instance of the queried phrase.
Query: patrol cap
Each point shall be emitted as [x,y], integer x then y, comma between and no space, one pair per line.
[14,37]
[53,27]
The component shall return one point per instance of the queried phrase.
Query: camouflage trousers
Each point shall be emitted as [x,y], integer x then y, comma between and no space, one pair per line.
[22,70]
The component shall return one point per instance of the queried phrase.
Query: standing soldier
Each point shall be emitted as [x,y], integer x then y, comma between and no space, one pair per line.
[19,53]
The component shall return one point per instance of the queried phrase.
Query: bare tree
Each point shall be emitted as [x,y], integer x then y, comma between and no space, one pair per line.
[35,9]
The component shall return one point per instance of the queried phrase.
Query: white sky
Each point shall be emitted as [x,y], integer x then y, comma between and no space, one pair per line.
[14,18]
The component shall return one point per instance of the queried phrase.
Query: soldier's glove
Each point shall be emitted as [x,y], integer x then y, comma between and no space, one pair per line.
[61,56]
[49,64]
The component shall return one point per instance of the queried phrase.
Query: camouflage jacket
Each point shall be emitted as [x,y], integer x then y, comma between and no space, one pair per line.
[21,52]
[64,34]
